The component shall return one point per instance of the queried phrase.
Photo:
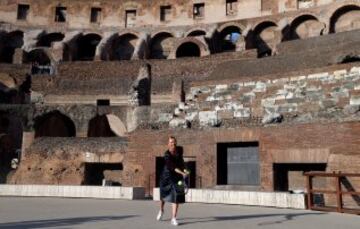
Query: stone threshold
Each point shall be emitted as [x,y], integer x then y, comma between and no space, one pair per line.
[73,191]
[251,198]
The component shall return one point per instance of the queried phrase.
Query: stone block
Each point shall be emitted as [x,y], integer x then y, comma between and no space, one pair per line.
[327,103]
[235,86]
[249,84]
[190,116]
[357,87]
[340,73]
[165,117]
[280,81]
[178,122]
[267,102]
[103,192]
[355,69]
[200,90]
[271,109]
[230,106]
[242,113]
[225,114]
[208,118]
[177,111]
[318,76]
[260,87]
[272,118]
[181,106]
[355,100]
[287,108]
[190,97]
[340,92]
[351,109]
[290,87]
[297,78]
[221,87]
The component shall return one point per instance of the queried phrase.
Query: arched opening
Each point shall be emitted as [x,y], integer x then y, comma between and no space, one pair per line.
[8,91]
[9,43]
[350,59]
[345,18]
[54,124]
[265,38]
[11,130]
[48,39]
[12,125]
[303,27]
[99,126]
[188,49]
[86,46]
[197,33]
[228,38]
[123,47]
[38,56]
[161,46]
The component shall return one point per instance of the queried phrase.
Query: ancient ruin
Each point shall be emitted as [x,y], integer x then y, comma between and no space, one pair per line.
[256,91]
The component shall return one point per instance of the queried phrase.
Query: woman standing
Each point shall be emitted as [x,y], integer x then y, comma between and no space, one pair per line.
[173,173]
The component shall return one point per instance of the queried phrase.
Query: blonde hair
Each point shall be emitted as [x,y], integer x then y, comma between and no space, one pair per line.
[172,137]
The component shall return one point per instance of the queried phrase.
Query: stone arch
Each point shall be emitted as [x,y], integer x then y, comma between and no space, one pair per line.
[228,37]
[231,24]
[86,46]
[8,89]
[350,58]
[9,43]
[46,40]
[264,37]
[200,49]
[11,134]
[39,56]
[12,125]
[188,49]
[161,45]
[345,18]
[54,124]
[302,27]
[123,46]
[106,126]
[196,33]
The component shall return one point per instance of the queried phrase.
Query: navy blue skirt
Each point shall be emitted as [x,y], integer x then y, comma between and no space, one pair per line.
[169,190]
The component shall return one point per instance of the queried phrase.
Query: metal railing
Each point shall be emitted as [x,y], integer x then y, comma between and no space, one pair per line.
[338,192]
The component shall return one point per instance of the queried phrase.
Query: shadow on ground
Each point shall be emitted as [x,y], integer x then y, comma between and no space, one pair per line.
[285,217]
[60,222]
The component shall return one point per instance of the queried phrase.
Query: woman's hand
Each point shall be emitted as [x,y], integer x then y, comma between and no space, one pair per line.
[186,173]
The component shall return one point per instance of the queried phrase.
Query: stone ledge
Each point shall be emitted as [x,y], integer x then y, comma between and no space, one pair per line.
[127,193]
[253,198]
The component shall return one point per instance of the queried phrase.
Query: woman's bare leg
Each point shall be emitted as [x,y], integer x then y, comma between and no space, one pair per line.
[175,208]
[162,203]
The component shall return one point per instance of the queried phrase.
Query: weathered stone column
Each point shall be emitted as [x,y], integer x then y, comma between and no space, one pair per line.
[27,139]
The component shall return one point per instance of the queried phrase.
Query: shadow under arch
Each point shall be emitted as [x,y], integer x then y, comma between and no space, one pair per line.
[54,124]
[262,42]
[47,39]
[86,47]
[188,49]
[10,42]
[123,47]
[160,45]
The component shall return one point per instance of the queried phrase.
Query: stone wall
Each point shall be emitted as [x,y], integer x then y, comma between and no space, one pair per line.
[325,96]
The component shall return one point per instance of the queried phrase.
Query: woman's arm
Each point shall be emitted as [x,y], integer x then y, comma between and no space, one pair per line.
[184,174]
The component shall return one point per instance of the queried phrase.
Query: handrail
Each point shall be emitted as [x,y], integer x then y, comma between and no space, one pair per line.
[338,192]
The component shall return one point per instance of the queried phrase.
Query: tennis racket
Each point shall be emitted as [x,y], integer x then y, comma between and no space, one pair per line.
[182,186]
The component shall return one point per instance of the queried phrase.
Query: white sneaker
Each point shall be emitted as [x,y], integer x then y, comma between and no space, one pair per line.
[174,222]
[159,215]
